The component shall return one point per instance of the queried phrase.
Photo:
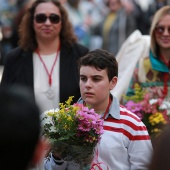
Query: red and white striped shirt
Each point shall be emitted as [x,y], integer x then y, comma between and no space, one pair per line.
[125,144]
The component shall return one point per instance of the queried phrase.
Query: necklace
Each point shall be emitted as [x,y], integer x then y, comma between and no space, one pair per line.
[50,93]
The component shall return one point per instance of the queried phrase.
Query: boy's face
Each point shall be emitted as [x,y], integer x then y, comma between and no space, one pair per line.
[95,87]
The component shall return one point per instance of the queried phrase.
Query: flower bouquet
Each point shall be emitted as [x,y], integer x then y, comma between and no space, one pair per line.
[73,131]
[150,107]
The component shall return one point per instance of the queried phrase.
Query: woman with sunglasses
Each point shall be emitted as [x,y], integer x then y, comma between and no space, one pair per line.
[153,71]
[46,59]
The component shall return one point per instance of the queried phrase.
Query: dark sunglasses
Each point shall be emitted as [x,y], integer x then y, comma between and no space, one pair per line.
[41,18]
[161,29]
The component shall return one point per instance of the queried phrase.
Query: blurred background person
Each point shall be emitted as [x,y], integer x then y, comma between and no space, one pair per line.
[78,20]
[11,15]
[8,10]
[94,12]
[1,36]
[19,129]
[153,71]
[46,59]
[154,7]
[22,6]
[1,66]
[149,64]
[160,159]
[141,13]
[116,26]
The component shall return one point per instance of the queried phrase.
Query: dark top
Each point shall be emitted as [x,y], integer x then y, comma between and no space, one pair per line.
[19,70]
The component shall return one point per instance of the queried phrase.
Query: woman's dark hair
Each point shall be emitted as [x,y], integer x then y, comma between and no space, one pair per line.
[27,34]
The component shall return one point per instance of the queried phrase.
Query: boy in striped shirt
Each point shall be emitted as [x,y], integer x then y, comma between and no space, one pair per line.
[125,144]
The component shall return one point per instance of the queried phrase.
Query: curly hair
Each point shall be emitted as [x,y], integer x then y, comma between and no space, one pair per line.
[101,59]
[27,34]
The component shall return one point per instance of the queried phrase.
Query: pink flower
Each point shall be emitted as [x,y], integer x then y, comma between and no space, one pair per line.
[90,126]
[133,107]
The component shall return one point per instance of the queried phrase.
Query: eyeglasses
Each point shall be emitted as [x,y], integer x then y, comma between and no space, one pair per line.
[161,29]
[41,18]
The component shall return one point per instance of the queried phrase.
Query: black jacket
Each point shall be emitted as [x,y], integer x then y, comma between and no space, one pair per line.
[19,70]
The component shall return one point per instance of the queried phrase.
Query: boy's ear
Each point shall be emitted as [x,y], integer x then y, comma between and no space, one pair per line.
[40,151]
[113,83]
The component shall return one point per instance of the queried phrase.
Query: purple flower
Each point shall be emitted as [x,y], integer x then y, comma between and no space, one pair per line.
[133,107]
[89,121]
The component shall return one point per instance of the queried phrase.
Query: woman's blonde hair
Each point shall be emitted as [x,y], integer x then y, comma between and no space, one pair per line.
[158,15]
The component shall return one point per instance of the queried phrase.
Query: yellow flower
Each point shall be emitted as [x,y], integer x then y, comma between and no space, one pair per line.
[69,118]
[155,130]
[70,99]
[51,114]
[65,127]
[156,118]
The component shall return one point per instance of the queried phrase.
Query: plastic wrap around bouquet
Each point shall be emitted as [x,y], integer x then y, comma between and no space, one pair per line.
[73,132]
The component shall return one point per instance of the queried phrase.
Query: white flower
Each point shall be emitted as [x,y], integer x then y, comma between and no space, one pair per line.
[56,110]
[153,101]
[53,129]
[168,112]
[46,118]
[165,105]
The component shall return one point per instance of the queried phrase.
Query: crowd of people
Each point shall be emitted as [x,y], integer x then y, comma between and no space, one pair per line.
[76,48]
[95,22]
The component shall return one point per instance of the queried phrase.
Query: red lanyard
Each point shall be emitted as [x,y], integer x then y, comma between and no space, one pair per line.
[107,109]
[163,59]
[166,75]
[51,72]
[165,90]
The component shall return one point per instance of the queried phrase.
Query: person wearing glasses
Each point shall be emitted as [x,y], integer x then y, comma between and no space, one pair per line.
[116,26]
[153,70]
[47,55]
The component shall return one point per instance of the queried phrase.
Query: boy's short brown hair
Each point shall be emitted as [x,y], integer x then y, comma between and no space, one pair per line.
[101,59]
